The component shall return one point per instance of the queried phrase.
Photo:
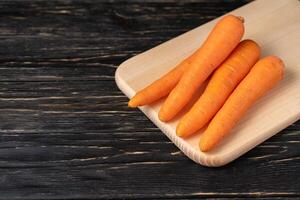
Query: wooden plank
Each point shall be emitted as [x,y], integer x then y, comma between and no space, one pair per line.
[66,132]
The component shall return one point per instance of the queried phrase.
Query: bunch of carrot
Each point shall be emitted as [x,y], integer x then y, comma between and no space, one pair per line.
[238,79]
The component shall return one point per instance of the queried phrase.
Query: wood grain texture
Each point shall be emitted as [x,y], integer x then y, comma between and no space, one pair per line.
[66,132]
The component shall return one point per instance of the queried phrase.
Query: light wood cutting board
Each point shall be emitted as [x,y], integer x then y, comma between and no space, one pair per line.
[275,25]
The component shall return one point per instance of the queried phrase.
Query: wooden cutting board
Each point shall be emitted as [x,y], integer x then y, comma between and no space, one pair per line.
[275,25]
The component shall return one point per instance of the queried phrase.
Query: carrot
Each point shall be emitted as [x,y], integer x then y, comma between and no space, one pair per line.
[221,41]
[160,87]
[222,83]
[264,75]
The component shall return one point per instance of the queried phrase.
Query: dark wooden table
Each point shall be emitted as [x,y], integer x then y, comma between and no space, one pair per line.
[65,129]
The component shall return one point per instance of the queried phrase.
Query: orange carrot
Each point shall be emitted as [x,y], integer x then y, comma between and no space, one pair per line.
[222,83]
[160,87]
[221,41]
[265,74]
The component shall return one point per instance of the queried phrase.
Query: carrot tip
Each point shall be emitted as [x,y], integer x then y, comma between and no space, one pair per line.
[162,118]
[132,104]
[203,147]
[205,144]
[179,133]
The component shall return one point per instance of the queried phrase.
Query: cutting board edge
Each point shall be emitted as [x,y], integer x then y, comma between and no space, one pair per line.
[197,156]
[123,81]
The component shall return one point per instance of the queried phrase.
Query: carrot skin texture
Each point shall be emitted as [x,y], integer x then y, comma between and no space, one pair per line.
[224,37]
[222,83]
[264,75]
[161,87]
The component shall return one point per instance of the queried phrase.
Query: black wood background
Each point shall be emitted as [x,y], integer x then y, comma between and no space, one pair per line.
[65,129]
